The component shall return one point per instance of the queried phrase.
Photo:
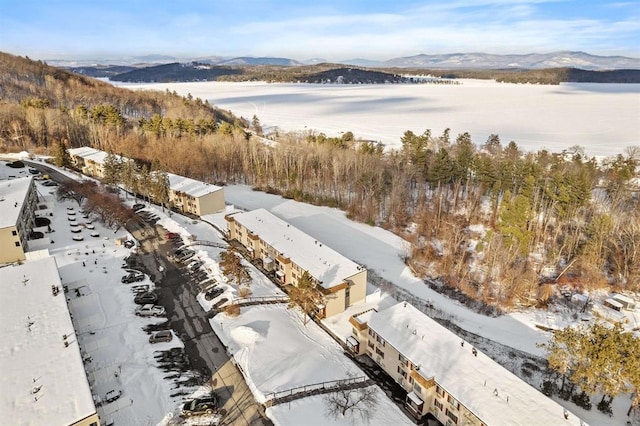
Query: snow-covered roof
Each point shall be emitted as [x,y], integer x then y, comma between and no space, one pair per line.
[89,153]
[189,186]
[43,381]
[492,393]
[326,265]
[13,193]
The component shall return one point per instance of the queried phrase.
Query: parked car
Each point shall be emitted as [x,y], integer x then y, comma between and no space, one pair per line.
[150,311]
[77,237]
[129,243]
[186,255]
[171,236]
[76,229]
[204,405]
[145,298]
[161,336]
[112,395]
[137,207]
[34,171]
[132,277]
[213,292]
[95,234]
[195,265]
[50,183]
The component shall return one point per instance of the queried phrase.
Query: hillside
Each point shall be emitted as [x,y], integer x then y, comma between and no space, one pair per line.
[327,72]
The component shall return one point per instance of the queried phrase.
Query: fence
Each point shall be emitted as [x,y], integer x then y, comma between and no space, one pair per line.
[272,397]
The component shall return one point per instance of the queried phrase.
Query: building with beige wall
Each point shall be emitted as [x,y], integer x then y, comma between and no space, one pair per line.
[42,374]
[185,194]
[195,197]
[446,377]
[289,253]
[18,203]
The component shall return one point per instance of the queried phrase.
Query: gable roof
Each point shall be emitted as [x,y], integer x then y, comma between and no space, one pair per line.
[324,264]
[494,394]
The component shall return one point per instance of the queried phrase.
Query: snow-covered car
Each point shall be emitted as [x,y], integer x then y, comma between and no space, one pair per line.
[148,297]
[76,229]
[89,226]
[161,336]
[150,311]
[77,237]
[204,405]
[186,256]
[132,277]
[95,234]
[129,244]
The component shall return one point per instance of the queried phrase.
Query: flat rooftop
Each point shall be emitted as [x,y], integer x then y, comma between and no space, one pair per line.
[13,193]
[326,265]
[42,381]
[494,394]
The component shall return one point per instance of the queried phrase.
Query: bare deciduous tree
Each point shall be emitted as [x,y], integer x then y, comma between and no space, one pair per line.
[359,404]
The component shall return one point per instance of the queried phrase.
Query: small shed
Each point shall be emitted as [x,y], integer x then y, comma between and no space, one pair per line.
[626,302]
[613,304]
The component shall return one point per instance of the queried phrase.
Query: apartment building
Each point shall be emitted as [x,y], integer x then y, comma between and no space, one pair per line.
[41,369]
[18,203]
[185,194]
[289,253]
[446,377]
[195,197]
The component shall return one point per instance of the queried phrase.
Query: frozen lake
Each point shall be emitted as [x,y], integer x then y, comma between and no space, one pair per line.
[602,118]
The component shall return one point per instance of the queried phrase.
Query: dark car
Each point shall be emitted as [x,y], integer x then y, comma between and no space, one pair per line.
[129,244]
[145,298]
[161,336]
[137,207]
[132,277]
[212,293]
[204,405]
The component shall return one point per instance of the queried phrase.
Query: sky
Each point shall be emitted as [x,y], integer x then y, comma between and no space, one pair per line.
[302,29]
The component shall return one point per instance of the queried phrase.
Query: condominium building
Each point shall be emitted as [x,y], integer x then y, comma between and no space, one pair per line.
[446,377]
[18,203]
[185,194]
[289,253]
[42,374]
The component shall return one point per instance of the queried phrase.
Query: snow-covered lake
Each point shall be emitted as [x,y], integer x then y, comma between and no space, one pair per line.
[602,118]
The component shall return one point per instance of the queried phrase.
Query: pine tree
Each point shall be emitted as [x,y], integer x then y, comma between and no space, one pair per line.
[61,157]
[305,296]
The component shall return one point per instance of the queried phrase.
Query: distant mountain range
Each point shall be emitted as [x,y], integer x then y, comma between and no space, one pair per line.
[566,59]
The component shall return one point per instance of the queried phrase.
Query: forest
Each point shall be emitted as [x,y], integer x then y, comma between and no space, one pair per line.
[496,227]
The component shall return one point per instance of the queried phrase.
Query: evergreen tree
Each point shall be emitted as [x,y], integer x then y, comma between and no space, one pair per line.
[305,296]
[61,157]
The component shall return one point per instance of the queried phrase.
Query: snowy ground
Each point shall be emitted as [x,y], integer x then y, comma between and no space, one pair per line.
[603,118]
[266,340]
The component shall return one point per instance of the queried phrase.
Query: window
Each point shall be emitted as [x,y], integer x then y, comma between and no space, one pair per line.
[455,404]
[417,388]
[370,332]
[439,390]
[403,360]
[437,404]
[354,331]
[14,233]
[380,340]
[402,372]
[370,344]
[379,352]
[452,416]
[411,380]
[17,243]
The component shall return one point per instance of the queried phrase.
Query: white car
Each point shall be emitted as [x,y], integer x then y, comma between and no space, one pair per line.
[150,311]
[78,237]
[95,234]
